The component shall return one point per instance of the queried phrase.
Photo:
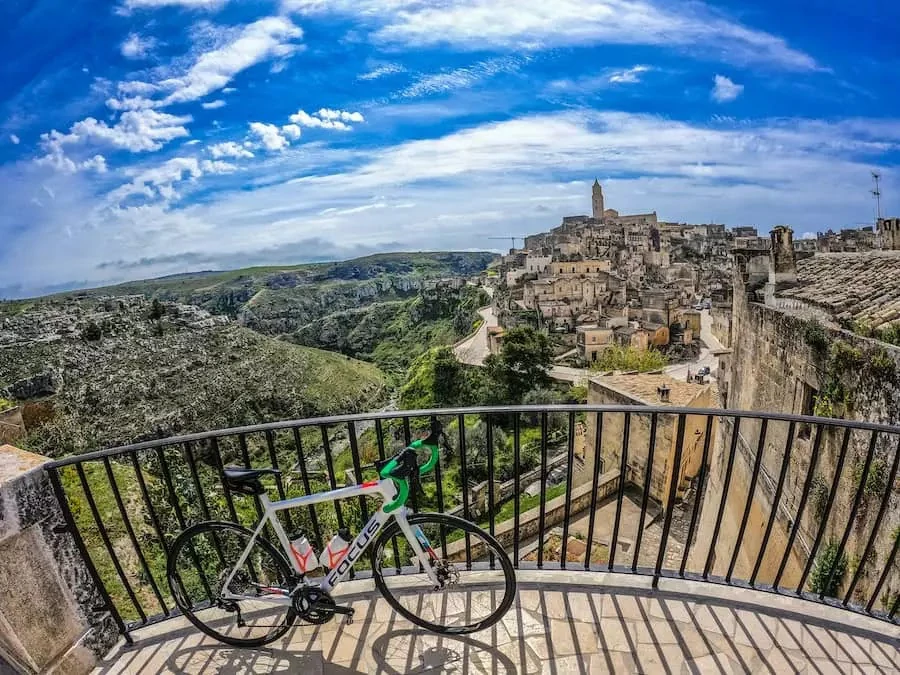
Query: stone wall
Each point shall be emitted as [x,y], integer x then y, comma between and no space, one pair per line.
[721,325]
[48,620]
[785,363]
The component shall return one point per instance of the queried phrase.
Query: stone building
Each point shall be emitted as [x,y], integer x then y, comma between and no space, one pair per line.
[648,389]
[888,234]
[597,200]
[790,354]
[591,341]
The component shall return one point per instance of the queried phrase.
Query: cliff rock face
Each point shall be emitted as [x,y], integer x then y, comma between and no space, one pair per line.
[120,370]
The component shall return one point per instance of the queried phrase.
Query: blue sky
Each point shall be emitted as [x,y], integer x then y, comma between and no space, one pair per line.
[148,137]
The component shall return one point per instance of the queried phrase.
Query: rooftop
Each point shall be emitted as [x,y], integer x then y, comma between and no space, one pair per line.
[641,388]
[860,286]
[599,623]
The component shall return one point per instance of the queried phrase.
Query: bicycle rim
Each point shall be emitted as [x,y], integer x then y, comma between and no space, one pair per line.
[477,579]
[201,559]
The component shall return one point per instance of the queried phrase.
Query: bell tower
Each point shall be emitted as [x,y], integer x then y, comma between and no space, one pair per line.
[597,200]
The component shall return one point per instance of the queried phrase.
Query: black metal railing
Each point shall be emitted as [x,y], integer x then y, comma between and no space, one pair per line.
[728,497]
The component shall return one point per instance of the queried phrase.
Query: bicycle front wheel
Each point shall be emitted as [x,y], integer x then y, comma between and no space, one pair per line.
[200,562]
[477,582]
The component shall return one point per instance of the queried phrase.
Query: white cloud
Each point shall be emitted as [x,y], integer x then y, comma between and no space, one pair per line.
[291,131]
[14,139]
[451,192]
[159,181]
[725,90]
[96,163]
[628,76]
[136,130]
[269,136]
[461,78]
[213,105]
[270,37]
[327,118]
[381,71]
[229,149]
[214,166]
[536,24]
[228,90]
[56,159]
[137,46]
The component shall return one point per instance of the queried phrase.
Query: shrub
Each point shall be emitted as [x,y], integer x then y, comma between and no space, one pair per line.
[828,566]
[615,357]
[815,336]
[818,494]
[874,483]
[91,332]
[6,404]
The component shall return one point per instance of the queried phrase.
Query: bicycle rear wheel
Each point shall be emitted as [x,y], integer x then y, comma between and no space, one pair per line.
[478,582]
[200,561]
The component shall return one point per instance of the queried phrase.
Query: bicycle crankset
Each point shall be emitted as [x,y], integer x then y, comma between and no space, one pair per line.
[315,606]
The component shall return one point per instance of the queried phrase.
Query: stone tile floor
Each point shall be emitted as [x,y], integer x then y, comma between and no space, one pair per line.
[562,622]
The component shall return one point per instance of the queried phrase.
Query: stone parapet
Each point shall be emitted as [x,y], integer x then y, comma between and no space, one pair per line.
[50,621]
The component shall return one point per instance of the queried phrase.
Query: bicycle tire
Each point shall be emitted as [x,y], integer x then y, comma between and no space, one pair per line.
[218,529]
[471,530]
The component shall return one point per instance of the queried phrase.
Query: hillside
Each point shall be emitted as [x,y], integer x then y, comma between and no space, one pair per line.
[393,334]
[120,370]
[277,300]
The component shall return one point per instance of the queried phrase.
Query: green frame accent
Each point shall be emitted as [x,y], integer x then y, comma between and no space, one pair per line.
[403,483]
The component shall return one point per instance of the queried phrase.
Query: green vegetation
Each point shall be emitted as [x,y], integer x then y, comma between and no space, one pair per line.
[818,495]
[523,364]
[436,380]
[827,564]
[393,334]
[874,483]
[615,357]
[6,404]
[815,335]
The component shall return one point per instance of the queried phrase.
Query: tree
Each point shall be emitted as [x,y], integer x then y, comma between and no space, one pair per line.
[522,364]
[157,311]
[436,379]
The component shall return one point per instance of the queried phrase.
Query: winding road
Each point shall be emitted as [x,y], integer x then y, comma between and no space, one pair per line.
[475,349]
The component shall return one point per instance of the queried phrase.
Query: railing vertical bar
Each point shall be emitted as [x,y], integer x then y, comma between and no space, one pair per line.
[853,510]
[279,483]
[776,501]
[329,464]
[357,467]
[126,521]
[490,493]
[72,528]
[645,498]
[220,468]
[757,462]
[195,478]
[145,495]
[439,492]
[888,566]
[876,528]
[824,522]
[735,430]
[245,455]
[570,460]
[670,502]
[517,439]
[895,607]
[543,507]
[104,535]
[379,439]
[595,482]
[179,514]
[807,484]
[407,439]
[620,493]
[304,477]
[698,493]
[464,479]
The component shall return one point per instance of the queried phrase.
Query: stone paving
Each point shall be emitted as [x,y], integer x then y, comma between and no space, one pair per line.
[562,622]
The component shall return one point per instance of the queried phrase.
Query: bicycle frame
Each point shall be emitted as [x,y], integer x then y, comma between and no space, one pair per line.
[385,488]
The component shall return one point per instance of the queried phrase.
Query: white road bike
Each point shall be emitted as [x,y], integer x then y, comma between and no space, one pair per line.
[441,572]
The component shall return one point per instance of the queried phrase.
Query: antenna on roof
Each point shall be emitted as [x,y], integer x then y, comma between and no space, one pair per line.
[877,193]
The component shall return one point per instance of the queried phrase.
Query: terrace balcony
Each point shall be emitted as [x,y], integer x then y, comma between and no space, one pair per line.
[646,539]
